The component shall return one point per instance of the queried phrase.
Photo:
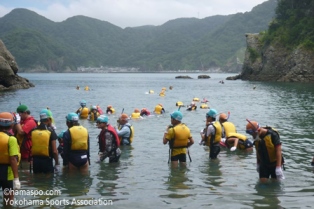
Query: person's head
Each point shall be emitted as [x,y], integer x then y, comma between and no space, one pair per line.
[94,109]
[102,121]
[83,103]
[23,111]
[45,116]
[123,119]
[176,117]
[6,121]
[160,105]
[252,128]
[136,110]
[211,115]
[72,119]
[60,136]
[143,109]
[109,107]
[223,117]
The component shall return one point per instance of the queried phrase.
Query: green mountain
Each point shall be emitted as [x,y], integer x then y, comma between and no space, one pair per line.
[180,44]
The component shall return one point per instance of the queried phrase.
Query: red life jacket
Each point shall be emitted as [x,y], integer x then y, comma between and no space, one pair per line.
[102,140]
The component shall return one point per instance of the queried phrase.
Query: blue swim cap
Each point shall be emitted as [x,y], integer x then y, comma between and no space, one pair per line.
[102,119]
[177,115]
[45,114]
[72,117]
[211,113]
[60,135]
[83,103]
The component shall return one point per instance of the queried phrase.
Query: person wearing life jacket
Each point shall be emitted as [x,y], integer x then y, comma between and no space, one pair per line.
[211,136]
[9,154]
[83,110]
[108,141]
[231,138]
[110,110]
[192,106]
[93,113]
[125,130]
[44,146]
[60,140]
[269,158]
[179,137]
[145,112]
[159,109]
[136,114]
[76,145]
[23,129]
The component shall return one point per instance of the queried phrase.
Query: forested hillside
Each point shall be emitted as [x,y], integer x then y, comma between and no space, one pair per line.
[180,44]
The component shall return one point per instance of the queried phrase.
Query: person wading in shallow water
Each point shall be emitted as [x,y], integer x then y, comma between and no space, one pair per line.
[269,158]
[76,145]
[179,137]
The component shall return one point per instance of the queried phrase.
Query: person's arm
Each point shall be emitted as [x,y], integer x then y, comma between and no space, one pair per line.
[191,141]
[66,148]
[278,155]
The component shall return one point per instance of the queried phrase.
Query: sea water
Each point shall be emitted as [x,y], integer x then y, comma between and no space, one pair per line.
[143,178]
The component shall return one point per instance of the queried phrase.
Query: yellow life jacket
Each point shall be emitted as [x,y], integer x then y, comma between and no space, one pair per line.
[4,148]
[135,115]
[84,112]
[92,116]
[213,139]
[265,148]
[158,109]
[79,138]
[231,131]
[131,133]
[181,136]
[40,141]
[112,110]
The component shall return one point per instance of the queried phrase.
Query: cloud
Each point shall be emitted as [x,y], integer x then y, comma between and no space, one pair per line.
[131,13]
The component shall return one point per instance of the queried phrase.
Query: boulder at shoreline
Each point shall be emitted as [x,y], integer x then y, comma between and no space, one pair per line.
[203,77]
[9,80]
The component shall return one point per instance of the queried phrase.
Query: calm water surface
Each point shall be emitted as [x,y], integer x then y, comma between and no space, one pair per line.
[143,178]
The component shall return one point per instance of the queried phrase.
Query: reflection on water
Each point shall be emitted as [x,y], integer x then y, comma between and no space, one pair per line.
[268,195]
[213,175]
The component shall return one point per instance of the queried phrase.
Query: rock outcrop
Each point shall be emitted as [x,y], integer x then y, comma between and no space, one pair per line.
[8,72]
[183,77]
[275,62]
[203,77]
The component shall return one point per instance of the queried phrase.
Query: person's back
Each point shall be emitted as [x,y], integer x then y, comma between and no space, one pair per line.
[44,148]
[76,145]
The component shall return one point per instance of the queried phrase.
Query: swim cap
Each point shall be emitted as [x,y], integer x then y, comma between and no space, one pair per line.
[94,108]
[160,104]
[45,114]
[124,117]
[252,126]
[61,134]
[83,103]
[6,119]
[102,119]
[21,109]
[177,115]
[211,113]
[223,116]
[72,117]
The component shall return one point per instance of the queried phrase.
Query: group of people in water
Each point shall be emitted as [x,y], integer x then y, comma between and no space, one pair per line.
[220,133]
[25,139]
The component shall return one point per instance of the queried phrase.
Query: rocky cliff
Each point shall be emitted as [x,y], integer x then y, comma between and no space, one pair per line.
[8,72]
[275,62]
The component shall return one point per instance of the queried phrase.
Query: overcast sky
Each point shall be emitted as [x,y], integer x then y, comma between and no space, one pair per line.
[130,13]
